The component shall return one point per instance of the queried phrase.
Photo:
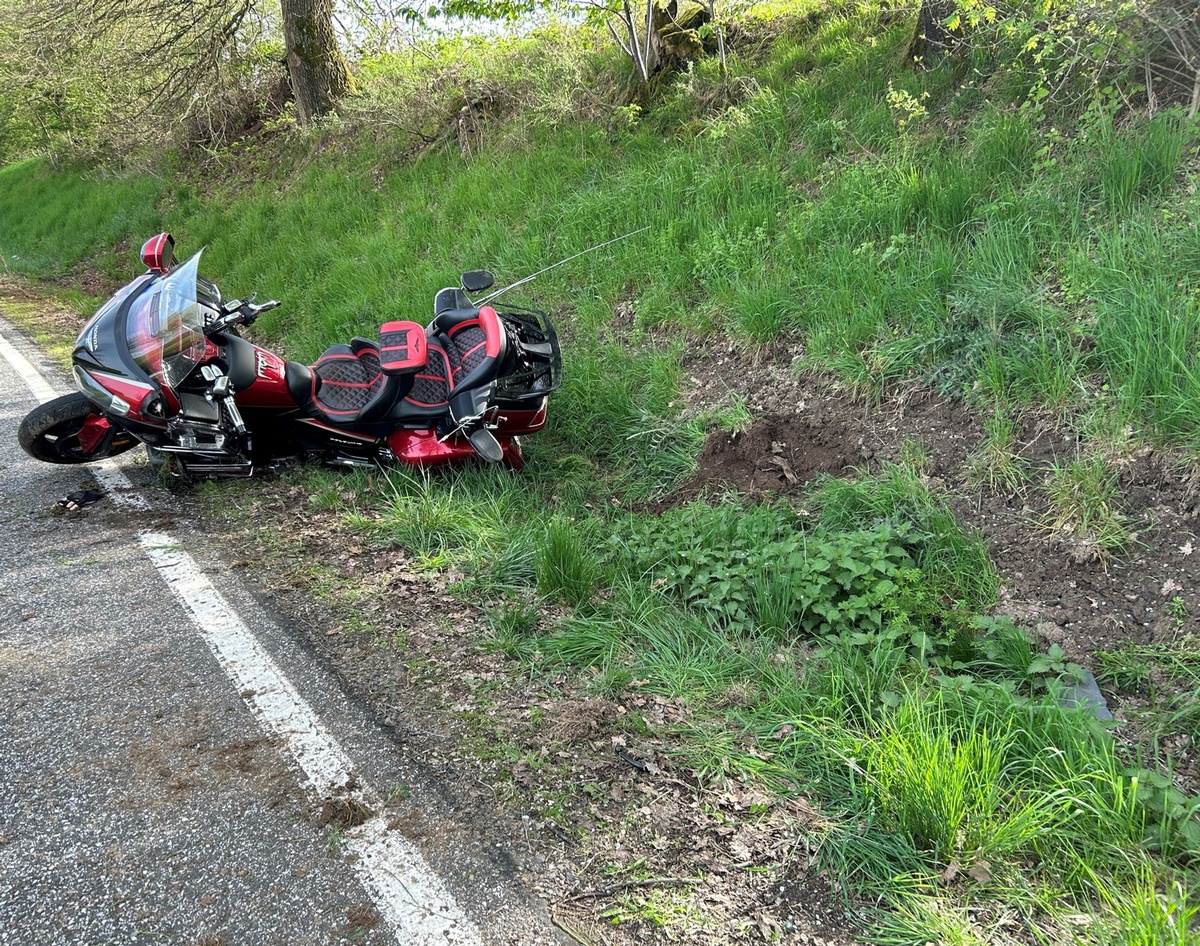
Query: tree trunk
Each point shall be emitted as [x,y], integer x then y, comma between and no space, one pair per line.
[932,40]
[315,66]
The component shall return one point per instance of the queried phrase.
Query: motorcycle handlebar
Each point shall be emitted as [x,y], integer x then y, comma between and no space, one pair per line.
[252,311]
[238,312]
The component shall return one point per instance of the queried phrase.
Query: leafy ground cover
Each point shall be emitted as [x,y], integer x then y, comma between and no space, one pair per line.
[667,629]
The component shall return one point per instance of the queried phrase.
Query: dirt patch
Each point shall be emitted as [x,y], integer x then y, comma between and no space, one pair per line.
[343,813]
[1054,583]
[778,452]
[362,917]
[32,309]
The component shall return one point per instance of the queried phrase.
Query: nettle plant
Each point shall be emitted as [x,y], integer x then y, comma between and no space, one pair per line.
[752,571]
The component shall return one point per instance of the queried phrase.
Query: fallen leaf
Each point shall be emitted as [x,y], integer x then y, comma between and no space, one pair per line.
[980,872]
[947,876]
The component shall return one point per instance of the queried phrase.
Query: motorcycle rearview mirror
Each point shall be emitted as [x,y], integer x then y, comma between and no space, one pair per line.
[477,280]
[158,253]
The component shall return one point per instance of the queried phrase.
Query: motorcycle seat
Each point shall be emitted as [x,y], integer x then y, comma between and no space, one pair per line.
[348,383]
[465,350]
[402,347]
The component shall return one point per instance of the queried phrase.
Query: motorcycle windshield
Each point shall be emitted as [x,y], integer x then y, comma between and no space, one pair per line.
[165,328]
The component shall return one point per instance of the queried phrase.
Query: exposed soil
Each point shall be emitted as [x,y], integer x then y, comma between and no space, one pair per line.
[1085,602]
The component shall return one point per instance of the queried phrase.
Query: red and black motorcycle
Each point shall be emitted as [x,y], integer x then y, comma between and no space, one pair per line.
[162,363]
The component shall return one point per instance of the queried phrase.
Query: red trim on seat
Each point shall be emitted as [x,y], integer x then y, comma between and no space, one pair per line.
[487,322]
[490,323]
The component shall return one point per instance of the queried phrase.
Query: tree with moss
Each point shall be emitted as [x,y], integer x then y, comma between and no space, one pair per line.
[316,68]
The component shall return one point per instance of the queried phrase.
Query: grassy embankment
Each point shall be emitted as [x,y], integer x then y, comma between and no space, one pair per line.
[955,239]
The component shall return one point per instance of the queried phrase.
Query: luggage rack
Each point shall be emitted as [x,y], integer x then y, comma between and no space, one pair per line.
[537,348]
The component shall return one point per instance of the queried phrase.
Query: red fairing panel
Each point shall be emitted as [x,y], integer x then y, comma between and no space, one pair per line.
[422,448]
[270,387]
[92,432]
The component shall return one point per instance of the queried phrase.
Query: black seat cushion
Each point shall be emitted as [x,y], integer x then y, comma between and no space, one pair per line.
[344,382]
[430,386]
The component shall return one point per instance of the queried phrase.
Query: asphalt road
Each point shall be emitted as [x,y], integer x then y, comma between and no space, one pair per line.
[148,795]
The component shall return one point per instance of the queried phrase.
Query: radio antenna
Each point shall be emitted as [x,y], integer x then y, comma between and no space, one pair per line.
[520,282]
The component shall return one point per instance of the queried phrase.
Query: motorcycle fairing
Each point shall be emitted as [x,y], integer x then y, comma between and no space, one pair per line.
[104,368]
[258,376]
[422,447]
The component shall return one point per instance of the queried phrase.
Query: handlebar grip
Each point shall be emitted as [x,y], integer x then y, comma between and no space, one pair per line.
[252,311]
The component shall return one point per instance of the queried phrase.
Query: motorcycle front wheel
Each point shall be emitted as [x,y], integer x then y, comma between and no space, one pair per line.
[50,432]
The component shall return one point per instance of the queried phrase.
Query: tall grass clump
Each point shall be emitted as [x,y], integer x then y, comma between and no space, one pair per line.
[1021,807]
[1139,162]
[1147,336]
[567,566]
[1084,503]
[995,462]
[618,410]
[462,516]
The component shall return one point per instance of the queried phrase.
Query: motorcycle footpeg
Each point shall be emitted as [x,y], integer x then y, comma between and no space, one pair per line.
[486,444]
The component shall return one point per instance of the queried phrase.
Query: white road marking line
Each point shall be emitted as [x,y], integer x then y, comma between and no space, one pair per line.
[406,892]
[409,896]
[29,374]
[266,690]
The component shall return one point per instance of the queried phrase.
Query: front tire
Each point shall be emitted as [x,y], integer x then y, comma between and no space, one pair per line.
[50,432]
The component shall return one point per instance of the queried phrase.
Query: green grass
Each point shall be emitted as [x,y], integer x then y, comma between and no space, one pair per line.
[1084,503]
[57,219]
[995,463]
[950,777]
